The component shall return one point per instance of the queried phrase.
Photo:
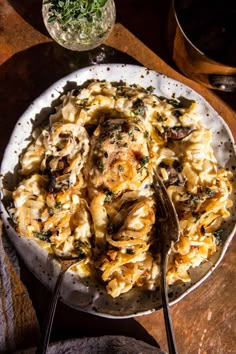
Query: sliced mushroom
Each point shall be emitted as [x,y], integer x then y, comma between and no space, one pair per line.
[176,133]
[175,176]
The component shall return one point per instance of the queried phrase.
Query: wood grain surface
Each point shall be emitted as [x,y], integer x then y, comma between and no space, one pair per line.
[205,320]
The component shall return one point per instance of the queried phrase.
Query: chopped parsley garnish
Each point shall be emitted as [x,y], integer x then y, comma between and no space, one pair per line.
[51,211]
[218,233]
[197,217]
[218,236]
[210,192]
[138,107]
[101,166]
[43,236]
[81,248]
[130,251]
[121,168]
[82,103]
[69,12]
[58,205]
[150,89]
[131,134]
[144,160]
[160,118]
[109,196]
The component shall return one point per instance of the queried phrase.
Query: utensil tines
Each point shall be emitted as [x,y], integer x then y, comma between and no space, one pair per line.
[168,232]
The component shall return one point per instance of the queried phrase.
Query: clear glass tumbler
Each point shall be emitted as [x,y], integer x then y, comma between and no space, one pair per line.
[83,34]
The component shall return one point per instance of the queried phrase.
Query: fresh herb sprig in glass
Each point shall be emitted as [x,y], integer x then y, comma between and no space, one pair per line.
[85,22]
[68,12]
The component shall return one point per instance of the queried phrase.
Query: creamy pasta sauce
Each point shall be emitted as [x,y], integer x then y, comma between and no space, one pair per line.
[86,185]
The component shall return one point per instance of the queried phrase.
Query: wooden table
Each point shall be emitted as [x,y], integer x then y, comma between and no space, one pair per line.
[205,320]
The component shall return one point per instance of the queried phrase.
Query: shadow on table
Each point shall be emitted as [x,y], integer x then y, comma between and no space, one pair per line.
[28,73]
[70,323]
[146,19]
[31,12]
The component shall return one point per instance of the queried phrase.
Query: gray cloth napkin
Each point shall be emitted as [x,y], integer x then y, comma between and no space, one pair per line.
[18,322]
[100,345]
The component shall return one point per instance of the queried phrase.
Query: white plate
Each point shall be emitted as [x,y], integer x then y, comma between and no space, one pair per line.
[91,297]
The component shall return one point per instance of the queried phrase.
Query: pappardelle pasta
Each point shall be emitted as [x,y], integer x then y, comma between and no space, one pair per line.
[86,186]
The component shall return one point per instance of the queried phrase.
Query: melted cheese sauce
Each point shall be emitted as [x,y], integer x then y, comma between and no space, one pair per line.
[86,187]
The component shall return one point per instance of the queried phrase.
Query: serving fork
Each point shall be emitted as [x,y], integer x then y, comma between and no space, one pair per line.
[47,324]
[168,231]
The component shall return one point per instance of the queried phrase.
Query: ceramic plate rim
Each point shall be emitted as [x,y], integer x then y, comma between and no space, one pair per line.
[57,88]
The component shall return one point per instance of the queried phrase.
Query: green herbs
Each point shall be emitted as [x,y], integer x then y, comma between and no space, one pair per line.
[138,107]
[69,12]
[82,249]
[109,196]
[130,251]
[83,103]
[160,118]
[210,192]
[43,236]
[121,168]
[100,166]
[218,236]
[105,154]
[57,207]
[146,135]
[144,161]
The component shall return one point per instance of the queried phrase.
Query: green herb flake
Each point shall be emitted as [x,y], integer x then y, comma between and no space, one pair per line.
[130,251]
[160,118]
[51,211]
[146,135]
[144,160]
[121,168]
[131,134]
[68,13]
[218,236]
[101,166]
[58,205]
[109,196]
[150,89]
[82,103]
[210,192]
[43,236]
[138,107]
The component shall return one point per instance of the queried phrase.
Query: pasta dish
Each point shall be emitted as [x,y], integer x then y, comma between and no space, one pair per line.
[86,184]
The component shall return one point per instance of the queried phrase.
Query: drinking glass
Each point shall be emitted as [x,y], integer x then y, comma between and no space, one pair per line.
[86,32]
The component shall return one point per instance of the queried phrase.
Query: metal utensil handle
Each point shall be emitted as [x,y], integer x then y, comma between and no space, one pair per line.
[47,325]
[165,303]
